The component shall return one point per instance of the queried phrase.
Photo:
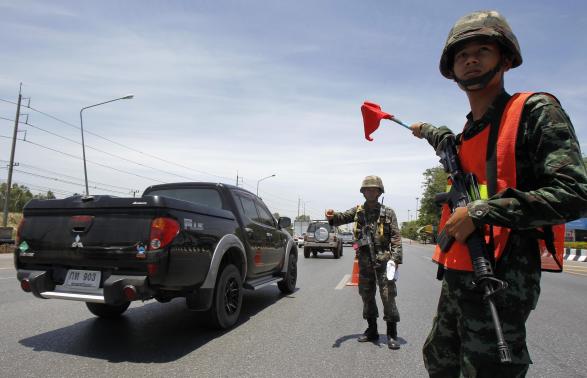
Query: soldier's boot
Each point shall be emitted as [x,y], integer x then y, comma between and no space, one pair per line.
[392,342]
[370,333]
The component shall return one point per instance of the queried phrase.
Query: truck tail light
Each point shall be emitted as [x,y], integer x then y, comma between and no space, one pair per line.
[25,285]
[163,230]
[19,232]
[130,292]
[334,238]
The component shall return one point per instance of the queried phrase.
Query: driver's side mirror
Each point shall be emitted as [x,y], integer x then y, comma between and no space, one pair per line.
[284,222]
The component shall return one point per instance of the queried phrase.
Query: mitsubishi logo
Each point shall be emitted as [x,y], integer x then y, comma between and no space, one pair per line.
[77,243]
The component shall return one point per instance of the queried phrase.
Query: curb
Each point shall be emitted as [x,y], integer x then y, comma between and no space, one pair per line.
[573,254]
[7,248]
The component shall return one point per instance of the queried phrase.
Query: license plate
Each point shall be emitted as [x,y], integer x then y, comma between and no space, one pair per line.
[83,279]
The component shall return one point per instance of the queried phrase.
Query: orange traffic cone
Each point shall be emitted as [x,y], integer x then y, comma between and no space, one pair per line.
[354,281]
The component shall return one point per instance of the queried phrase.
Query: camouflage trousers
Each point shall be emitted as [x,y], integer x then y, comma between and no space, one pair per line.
[463,340]
[368,286]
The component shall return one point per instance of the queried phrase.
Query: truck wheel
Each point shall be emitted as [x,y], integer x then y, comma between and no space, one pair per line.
[288,285]
[341,249]
[336,253]
[306,252]
[104,310]
[228,298]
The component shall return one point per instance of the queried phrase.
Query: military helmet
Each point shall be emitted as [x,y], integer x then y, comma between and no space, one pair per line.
[488,24]
[372,182]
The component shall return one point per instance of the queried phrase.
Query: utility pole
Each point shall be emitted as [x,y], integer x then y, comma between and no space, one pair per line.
[298,207]
[9,180]
[417,209]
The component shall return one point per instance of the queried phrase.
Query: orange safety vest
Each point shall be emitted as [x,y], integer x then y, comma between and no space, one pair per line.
[472,155]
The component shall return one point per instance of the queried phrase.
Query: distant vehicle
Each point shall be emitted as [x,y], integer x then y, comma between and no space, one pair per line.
[205,242]
[322,237]
[299,239]
[347,237]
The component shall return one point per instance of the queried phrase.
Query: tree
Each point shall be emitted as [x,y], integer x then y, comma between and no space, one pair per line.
[434,182]
[19,196]
[303,218]
[408,230]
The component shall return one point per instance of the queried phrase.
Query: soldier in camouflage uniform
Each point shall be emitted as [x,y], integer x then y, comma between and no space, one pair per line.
[551,189]
[388,247]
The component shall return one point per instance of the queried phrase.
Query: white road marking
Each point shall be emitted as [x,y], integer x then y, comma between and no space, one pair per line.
[343,282]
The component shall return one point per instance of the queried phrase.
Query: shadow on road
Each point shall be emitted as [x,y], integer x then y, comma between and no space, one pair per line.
[343,339]
[152,333]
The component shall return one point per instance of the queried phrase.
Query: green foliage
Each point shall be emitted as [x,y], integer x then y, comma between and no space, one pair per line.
[303,218]
[19,196]
[576,245]
[434,183]
[408,230]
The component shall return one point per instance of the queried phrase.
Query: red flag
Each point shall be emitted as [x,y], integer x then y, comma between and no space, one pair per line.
[372,115]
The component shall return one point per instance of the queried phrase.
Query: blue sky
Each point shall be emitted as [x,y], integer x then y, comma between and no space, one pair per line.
[255,87]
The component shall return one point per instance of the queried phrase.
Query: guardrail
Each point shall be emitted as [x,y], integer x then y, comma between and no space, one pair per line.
[573,254]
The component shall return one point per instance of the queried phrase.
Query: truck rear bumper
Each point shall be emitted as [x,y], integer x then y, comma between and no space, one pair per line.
[321,245]
[111,292]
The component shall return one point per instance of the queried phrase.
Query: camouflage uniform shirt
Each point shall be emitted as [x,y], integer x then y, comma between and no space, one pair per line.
[388,245]
[552,182]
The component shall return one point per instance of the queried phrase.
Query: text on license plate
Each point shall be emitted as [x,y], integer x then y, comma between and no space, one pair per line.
[83,278]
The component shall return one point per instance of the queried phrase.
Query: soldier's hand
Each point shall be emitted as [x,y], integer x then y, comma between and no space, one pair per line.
[460,225]
[329,214]
[417,129]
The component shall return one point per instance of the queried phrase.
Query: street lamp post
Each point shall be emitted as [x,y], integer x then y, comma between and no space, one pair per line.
[81,122]
[258,181]
[417,209]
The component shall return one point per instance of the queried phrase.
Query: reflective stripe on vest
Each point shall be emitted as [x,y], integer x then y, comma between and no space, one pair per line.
[472,155]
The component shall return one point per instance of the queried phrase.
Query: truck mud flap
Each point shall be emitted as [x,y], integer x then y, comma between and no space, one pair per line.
[200,300]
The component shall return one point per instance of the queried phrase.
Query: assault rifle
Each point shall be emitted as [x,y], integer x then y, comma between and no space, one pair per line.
[367,240]
[465,189]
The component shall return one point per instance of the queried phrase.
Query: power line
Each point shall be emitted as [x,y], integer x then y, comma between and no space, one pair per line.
[93,162]
[111,154]
[134,150]
[123,145]
[67,182]
[63,175]
[43,189]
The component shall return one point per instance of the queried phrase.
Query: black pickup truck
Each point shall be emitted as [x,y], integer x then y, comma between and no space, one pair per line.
[205,242]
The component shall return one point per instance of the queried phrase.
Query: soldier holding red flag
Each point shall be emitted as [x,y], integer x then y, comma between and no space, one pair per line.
[524,152]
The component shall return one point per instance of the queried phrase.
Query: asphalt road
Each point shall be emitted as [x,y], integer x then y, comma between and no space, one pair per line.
[311,333]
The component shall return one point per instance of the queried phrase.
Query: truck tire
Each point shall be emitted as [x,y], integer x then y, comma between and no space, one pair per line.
[336,252]
[306,252]
[341,249]
[104,310]
[228,298]
[288,285]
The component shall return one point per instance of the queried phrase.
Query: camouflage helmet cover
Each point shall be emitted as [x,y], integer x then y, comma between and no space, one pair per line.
[372,182]
[489,24]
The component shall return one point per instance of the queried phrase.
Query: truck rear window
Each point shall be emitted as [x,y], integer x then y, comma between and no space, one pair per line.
[200,196]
